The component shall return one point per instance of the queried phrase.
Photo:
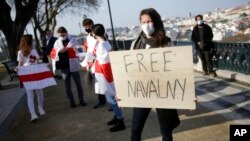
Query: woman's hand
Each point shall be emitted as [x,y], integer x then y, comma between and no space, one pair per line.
[195,100]
[117,98]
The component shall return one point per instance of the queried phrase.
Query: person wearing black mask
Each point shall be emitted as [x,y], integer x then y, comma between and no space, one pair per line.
[89,45]
[202,37]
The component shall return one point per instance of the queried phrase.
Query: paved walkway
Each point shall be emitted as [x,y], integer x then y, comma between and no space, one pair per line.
[221,103]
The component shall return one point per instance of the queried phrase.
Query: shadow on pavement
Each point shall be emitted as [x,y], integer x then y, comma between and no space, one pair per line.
[61,123]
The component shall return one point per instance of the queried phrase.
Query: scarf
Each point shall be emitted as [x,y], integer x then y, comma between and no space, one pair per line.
[142,42]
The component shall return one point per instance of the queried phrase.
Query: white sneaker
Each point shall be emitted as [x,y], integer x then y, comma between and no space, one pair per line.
[41,111]
[34,118]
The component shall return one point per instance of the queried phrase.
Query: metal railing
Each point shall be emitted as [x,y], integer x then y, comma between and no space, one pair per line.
[226,56]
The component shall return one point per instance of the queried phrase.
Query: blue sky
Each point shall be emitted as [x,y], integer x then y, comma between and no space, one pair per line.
[126,12]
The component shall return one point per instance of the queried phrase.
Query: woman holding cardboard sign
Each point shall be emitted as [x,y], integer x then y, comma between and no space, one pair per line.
[153,36]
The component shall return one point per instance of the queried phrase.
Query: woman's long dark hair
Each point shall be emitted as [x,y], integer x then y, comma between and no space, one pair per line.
[99,30]
[159,34]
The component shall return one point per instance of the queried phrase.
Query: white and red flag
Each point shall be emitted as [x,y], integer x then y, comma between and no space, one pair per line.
[36,76]
[74,62]
[104,83]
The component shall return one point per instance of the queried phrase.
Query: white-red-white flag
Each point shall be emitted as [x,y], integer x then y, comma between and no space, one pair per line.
[74,62]
[36,76]
[104,83]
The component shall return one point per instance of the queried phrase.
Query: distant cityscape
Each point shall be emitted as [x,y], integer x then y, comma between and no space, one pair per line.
[225,23]
[228,25]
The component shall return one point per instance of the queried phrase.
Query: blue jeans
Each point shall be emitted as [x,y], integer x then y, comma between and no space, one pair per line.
[112,101]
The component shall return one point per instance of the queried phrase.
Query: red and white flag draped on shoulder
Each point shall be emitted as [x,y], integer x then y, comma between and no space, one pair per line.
[89,44]
[103,74]
[73,59]
[36,76]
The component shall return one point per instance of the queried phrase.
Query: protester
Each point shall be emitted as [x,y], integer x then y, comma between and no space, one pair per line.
[29,56]
[152,36]
[103,76]
[202,36]
[50,41]
[64,57]
[89,45]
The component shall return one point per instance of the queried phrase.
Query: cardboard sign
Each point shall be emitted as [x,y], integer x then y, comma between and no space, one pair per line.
[154,78]
[36,76]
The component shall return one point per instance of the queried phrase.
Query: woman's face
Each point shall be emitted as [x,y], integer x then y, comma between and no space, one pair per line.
[147,25]
[146,19]
[62,36]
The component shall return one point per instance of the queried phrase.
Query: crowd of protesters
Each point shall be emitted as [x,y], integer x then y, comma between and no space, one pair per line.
[61,54]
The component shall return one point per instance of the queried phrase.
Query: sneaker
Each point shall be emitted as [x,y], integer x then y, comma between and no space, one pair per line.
[41,111]
[34,118]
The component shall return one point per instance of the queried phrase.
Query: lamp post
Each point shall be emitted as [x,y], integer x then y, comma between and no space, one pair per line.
[81,33]
[112,28]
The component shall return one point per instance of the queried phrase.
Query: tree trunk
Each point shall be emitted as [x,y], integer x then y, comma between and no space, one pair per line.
[13,30]
[37,45]
[13,38]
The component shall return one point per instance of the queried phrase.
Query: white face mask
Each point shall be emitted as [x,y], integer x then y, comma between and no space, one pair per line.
[199,22]
[63,38]
[148,28]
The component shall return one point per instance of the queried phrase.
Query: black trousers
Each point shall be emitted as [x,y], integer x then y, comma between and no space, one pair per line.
[101,99]
[66,76]
[168,120]
[206,60]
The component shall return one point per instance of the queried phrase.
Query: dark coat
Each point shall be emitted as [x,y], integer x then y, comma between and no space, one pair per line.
[208,37]
[50,44]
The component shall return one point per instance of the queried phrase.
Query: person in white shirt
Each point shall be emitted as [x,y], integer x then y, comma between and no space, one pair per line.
[29,56]
[89,45]
[50,41]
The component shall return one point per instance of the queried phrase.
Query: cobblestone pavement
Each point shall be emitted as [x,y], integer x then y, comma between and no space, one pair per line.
[220,104]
